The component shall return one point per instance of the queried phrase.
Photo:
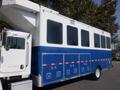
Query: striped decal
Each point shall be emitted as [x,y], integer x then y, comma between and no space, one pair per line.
[78,62]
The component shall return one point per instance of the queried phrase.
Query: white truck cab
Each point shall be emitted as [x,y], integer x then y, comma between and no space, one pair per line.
[15,54]
[15,44]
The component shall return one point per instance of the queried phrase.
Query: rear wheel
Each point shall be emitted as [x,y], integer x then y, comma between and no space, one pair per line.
[97,74]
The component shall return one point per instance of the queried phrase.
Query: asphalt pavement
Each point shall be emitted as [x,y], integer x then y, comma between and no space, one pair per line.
[110,80]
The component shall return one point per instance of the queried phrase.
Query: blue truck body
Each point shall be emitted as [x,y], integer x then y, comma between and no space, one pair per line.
[56,64]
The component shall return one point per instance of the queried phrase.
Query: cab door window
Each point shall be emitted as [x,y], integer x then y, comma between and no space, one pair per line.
[16,43]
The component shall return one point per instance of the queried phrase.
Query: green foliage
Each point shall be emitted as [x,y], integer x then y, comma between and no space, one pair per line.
[41,2]
[105,18]
[87,11]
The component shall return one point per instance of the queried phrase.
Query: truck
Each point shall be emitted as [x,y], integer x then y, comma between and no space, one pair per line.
[44,47]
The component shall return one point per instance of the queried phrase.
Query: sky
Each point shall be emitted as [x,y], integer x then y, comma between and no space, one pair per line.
[117,10]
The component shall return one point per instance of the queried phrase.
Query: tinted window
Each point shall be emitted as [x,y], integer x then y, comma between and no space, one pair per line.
[84,38]
[16,43]
[103,43]
[54,32]
[72,35]
[97,40]
[108,42]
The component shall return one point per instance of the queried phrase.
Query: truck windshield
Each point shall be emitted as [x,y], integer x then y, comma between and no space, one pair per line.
[16,43]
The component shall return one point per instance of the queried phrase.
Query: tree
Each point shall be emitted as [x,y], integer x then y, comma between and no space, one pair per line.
[105,18]
[41,2]
[76,9]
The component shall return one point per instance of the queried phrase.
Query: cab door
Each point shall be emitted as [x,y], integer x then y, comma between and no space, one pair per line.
[13,54]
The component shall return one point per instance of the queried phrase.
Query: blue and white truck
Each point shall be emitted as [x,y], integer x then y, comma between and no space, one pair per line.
[61,48]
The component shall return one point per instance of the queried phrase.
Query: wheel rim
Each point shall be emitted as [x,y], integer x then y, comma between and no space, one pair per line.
[97,73]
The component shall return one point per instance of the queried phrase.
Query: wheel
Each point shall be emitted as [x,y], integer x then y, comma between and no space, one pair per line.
[97,74]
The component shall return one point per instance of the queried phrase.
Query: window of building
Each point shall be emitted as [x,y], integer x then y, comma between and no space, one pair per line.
[97,40]
[103,42]
[72,36]
[85,38]
[54,32]
[108,42]
[16,43]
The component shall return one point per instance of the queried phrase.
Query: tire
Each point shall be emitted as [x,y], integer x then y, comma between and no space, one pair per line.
[97,74]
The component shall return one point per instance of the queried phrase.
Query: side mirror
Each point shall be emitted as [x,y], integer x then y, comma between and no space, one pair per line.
[4,35]
[7,47]
[0,39]
[7,44]
[4,41]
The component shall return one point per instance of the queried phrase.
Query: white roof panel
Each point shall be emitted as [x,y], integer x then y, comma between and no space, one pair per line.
[22,4]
